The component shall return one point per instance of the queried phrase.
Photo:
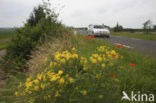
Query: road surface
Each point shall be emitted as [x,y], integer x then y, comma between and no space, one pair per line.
[145,46]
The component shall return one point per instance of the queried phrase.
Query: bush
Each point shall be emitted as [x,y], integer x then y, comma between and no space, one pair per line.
[41,26]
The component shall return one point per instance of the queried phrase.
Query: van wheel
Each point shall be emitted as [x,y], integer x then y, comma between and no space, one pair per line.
[108,36]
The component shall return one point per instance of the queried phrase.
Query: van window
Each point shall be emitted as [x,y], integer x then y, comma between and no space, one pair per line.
[98,26]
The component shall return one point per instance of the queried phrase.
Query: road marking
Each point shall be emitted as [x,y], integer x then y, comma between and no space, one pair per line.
[124,45]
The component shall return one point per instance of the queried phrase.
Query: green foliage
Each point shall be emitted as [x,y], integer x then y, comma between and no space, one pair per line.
[147,26]
[41,24]
[118,28]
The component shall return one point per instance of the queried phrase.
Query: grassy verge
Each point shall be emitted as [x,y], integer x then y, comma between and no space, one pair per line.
[89,82]
[7,93]
[139,35]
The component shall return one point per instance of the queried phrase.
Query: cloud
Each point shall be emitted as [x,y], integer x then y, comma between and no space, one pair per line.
[129,13]
[15,12]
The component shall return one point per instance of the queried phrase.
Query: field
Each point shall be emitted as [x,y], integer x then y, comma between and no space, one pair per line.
[139,35]
[129,71]
[5,35]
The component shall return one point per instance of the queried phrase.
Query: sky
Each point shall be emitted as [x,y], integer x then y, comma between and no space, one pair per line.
[81,13]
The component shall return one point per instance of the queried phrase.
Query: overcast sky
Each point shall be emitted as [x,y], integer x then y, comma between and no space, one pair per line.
[80,13]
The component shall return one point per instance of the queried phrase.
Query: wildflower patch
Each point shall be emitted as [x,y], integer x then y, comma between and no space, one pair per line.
[70,77]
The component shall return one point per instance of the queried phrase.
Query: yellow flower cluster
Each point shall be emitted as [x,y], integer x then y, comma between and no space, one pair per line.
[49,77]
[56,75]
[104,57]
[65,55]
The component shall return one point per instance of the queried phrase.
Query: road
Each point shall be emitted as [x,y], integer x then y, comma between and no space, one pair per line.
[145,46]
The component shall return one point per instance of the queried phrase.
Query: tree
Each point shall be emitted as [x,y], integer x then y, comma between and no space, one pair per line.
[154,27]
[147,26]
[36,16]
[118,27]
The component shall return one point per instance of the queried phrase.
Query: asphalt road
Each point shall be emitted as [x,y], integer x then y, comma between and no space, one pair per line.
[144,46]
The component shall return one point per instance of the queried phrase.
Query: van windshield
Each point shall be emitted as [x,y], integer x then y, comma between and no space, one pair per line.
[98,26]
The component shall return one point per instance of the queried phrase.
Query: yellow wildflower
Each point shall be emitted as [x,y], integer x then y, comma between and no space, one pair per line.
[49,96]
[73,49]
[48,84]
[113,52]
[28,79]
[57,94]
[54,78]
[26,90]
[103,65]
[84,92]
[57,56]
[67,56]
[99,59]
[100,96]
[109,55]
[62,60]
[95,55]
[116,80]
[93,60]
[60,72]
[51,64]
[71,80]
[30,92]
[107,52]
[28,84]
[43,77]
[45,59]
[61,81]
[104,58]
[16,93]
[121,67]
[39,76]
[20,85]
[111,64]
[97,76]
[85,68]
[36,81]
[36,88]
[75,56]
[42,86]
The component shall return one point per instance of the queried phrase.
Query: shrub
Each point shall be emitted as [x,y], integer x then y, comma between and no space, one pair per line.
[41,26]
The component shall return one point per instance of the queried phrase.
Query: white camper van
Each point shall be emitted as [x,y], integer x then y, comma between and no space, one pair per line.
[98,30]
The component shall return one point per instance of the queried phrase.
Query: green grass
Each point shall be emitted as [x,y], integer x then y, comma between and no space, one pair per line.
[7,95]
[141,77]
[139,35]
[5,35]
